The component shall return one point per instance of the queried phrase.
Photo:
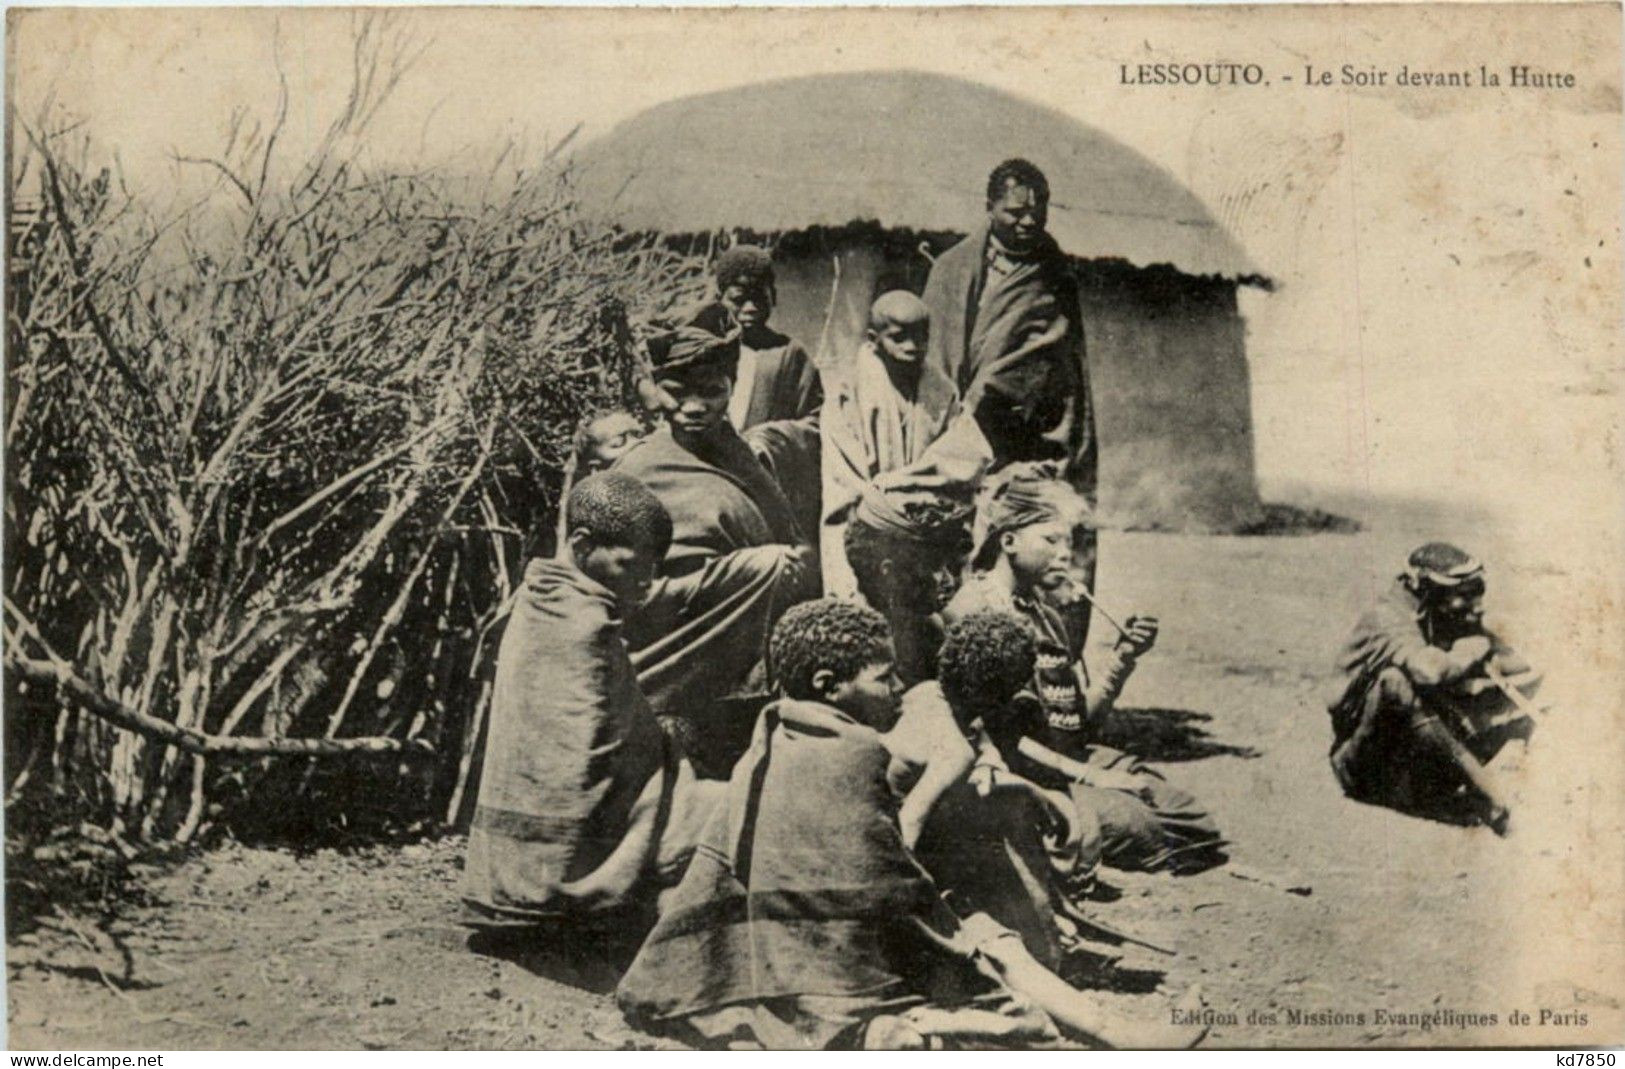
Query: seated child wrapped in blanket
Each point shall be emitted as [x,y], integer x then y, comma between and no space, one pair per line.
[586,810]
[804,921]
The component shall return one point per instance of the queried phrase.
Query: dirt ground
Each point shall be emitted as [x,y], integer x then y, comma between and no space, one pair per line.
[1349,913]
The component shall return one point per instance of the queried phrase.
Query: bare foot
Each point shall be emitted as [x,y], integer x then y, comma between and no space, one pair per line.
[892,1033]
[1179,1026]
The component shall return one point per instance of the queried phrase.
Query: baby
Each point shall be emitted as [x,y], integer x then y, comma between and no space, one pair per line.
[602,437]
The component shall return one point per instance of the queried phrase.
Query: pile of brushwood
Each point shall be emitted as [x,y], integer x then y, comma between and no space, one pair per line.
[274,461]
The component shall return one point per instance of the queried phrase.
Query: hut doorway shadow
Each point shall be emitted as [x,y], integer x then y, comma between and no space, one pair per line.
[1156,734]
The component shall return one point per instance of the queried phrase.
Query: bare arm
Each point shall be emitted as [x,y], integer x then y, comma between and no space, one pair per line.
[1101,688]
[944,768]
[1431,666]
[1076,771]
[926,738]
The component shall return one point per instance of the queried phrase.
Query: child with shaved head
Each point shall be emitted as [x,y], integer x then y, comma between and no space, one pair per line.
[889,410]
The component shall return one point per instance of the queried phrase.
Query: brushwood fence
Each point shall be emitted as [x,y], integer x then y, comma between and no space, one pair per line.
[273,465]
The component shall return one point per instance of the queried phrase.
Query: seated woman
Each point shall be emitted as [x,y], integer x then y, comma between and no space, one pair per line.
[737,557]
[1026,551]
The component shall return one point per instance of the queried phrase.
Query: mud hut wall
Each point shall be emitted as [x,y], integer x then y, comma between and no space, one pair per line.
[824,295]
[1168,364]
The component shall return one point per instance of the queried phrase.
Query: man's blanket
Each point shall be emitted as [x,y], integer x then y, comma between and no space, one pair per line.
[719,502]
[785,381]
[584,807]
[732,569]
[802,916]
[1011,340]
[1388,635]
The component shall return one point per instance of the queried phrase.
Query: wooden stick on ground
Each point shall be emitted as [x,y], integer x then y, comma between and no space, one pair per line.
[1117,935]
[1253,876]
[83,694]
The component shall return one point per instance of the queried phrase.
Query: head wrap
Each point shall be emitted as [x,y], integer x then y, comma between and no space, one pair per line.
[703,338]
[917,514]
[1440,564]
[1021,496]
[750,266]
[924,500]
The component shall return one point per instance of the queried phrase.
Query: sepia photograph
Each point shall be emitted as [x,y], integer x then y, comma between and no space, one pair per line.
[905,528]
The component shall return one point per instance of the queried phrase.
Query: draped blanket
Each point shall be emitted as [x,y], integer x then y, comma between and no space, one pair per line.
[1383,636]
[786,384]
[869,429]
[719,502]
[583,805]
[1012,343]
[799,875]
[787,449]
[802,915]
[732,569]
[1390,634]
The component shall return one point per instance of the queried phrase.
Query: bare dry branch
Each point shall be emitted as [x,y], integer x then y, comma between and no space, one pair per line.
[188,740]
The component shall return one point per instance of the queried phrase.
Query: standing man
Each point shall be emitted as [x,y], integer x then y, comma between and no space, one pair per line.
[1007,331]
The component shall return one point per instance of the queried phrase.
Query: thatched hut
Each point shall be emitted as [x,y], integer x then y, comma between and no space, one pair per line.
[856,179]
